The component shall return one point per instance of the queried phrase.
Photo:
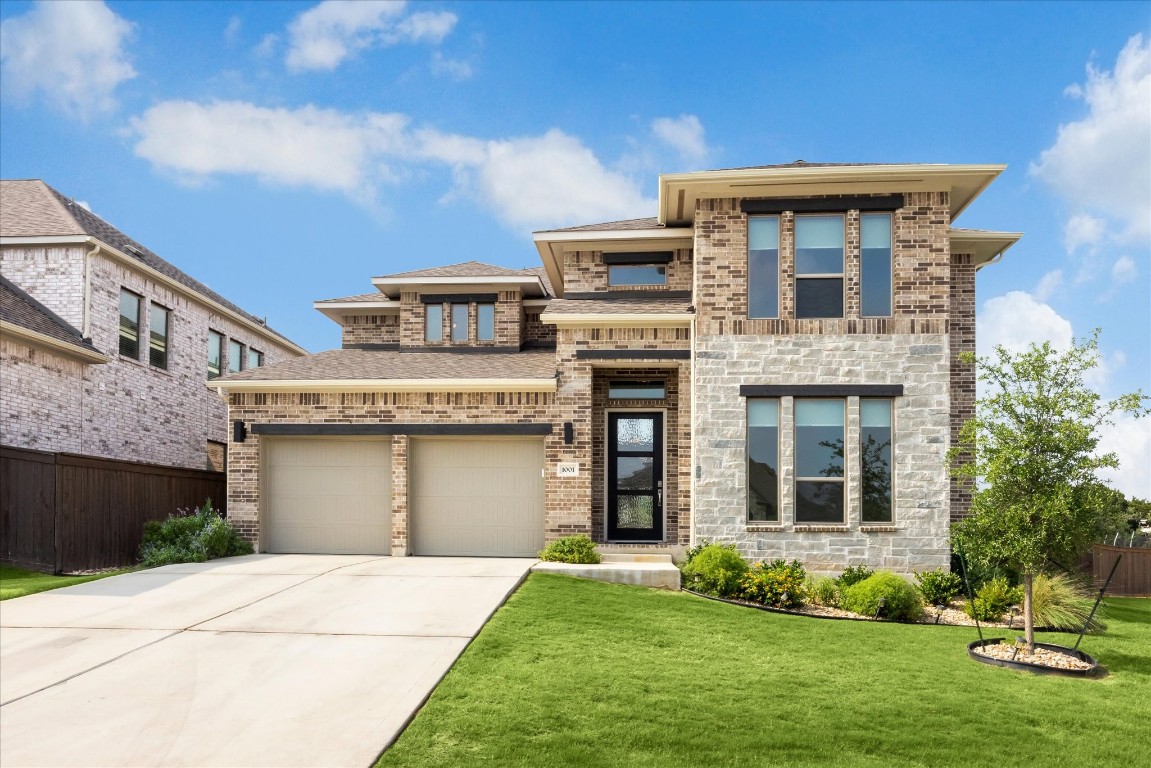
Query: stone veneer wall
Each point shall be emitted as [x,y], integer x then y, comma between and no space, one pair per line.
[962,325]
[918,539]
[125,409]
[566,511]
[584,271]
[371,329]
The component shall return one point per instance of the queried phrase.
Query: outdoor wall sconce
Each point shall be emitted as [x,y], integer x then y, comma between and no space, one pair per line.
[569,433]
[239,432]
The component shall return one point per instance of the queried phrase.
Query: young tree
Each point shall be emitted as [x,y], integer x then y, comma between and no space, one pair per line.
[1030,457]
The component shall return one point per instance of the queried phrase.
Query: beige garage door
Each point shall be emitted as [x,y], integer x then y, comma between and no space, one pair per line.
[329,496]
[477,497]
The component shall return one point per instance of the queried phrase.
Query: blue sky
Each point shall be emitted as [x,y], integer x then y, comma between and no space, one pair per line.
[287,152]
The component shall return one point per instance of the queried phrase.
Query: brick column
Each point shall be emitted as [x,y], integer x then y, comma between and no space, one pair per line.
[401,545]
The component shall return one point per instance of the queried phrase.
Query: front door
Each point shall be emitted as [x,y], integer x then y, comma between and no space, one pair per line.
[635,476]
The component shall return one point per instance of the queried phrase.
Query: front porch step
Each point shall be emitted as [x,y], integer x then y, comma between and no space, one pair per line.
[661,575]
[635,557]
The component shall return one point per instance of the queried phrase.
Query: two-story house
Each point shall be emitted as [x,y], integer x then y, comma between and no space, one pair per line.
[106,348]
[772,360]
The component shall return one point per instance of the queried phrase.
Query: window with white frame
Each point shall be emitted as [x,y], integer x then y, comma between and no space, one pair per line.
[819,465]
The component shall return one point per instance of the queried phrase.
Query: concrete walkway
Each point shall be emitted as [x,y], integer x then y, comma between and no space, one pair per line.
[265,660]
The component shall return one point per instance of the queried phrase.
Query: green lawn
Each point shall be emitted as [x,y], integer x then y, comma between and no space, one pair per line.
[574,672]
[17,582]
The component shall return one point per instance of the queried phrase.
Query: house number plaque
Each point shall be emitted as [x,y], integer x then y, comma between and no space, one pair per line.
[567,469]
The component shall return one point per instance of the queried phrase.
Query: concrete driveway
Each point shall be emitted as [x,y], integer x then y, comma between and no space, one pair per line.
[265,660]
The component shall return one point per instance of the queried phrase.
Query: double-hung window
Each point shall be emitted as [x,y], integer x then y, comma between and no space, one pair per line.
[819,491]
[485,322]
[763,460]
[158,332]
[235,356]
[875,433]
[215,354]
[130,324]
[763,267]
[875,264]
[818,266]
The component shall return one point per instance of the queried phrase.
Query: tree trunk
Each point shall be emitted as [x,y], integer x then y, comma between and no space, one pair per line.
[1028,616]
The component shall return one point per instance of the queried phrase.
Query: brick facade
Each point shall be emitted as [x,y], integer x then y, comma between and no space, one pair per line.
[962,374]
[125,409]
[585,271]
[370,329]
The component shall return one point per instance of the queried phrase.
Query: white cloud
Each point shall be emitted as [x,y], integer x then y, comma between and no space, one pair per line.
[326,34]
[1047,285]
[1124,270]
[266,48]
[528,182]
[1083,229]
[1102,163]
[685,135]
[1130,439]
[310,147]
[1015,320]
[232,31]
[454,69]
[70,51]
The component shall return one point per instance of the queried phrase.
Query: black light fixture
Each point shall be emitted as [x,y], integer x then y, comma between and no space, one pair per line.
[879,606]
[239,431]
[569,433]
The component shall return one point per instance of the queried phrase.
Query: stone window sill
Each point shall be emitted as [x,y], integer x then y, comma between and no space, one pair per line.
[755,528]
[878,529]
[820,529]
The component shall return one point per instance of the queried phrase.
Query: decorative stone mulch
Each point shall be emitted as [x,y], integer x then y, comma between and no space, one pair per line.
[952,615]
[1043,657]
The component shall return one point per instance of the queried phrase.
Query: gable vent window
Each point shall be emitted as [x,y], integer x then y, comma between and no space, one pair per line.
[636,390]
[215,354]
[158,333]
[129,324]
[485,322]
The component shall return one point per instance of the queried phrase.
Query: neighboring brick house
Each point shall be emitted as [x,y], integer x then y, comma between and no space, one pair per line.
[772,360]
[105,348]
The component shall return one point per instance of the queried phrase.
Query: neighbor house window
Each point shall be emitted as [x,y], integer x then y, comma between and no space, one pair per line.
[215,354]
[818,266]
[763,266]
[819,461]
[636,390]
[875,434]
[158,321]
[255,359]
[433,322]
[459,322]
[639,274]
[486,322]
[875,264]
[235,356]
[763,460]
[129,325]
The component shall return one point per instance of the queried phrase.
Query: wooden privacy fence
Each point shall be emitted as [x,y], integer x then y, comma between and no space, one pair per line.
[1132,577]
[65,512]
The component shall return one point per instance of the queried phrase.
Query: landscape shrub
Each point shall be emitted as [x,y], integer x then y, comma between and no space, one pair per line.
[778,584]
[939,587]
[579,549]
[691,552]
[191,536]
[822,590]
[901,600]
[993,600]
[716,569]
[852,575]
[1060,602]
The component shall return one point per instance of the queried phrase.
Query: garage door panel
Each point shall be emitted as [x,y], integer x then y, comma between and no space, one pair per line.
[477,497]
[328,496]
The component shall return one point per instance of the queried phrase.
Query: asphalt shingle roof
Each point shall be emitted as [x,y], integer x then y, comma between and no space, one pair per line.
[340,364]
[658,306]
[18,308]
[365,297]
[651,222]
[31,208]
[463,269]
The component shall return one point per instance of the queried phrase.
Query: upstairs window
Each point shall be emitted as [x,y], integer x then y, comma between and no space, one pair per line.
[215,354]
[459,322]
[763,267]
[485,322]
[158,336]
[637,274]
[875,459]
[433,322]
[763,460]
[818,266]
[129,324]
[235,356]
[819,494]
[875,264]
[255,358]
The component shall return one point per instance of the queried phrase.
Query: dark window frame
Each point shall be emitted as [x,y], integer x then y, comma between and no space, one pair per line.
[158,358]
[776,277]
[841,480]
[480,309]
[219,339]
[123,338]
[239,345]
[438,310]
[620,269]
[467,313]
[638,385]
[777,502]
[890,263]
[863,503]
[259,358]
